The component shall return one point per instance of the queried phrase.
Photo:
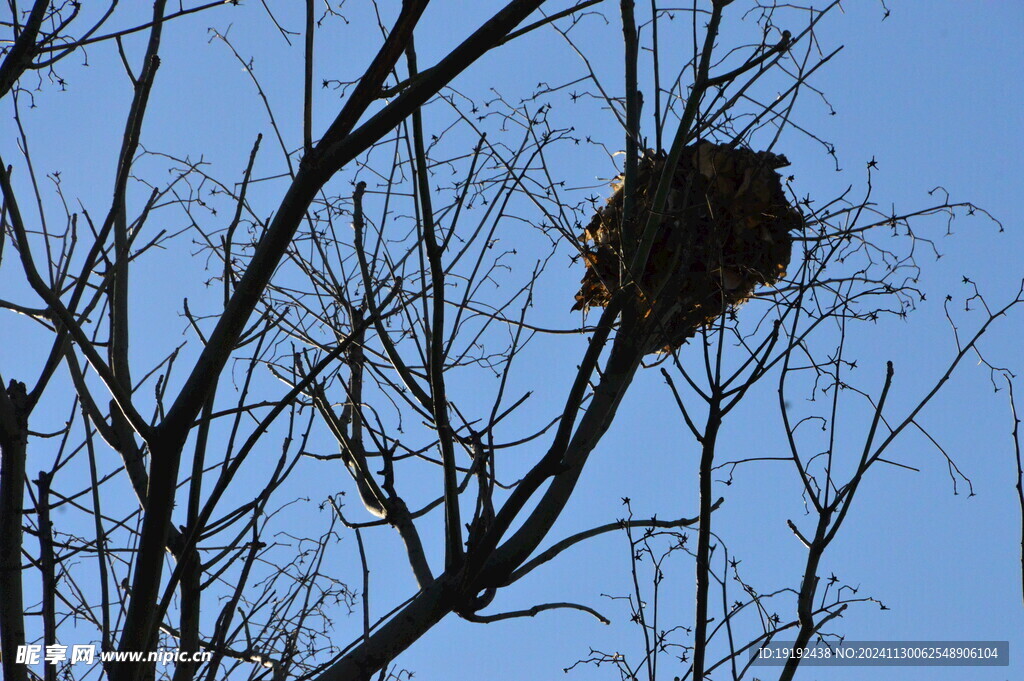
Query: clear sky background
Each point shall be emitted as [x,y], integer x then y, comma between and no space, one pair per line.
[931,92]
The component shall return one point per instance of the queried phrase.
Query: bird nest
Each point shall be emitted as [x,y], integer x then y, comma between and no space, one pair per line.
[725,231]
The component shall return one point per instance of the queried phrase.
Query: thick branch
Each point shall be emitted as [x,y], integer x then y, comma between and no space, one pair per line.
[19,59]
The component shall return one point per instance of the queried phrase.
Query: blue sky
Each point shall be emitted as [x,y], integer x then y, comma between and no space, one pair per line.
[928,92]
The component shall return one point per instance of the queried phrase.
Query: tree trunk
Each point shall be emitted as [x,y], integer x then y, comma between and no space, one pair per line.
[13,446]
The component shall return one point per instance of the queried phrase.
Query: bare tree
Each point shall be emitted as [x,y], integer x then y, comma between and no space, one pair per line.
[390,306]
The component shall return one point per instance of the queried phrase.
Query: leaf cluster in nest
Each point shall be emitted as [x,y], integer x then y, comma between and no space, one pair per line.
[725,230]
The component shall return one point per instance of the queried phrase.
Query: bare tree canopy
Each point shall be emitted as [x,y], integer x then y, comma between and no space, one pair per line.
[325,324]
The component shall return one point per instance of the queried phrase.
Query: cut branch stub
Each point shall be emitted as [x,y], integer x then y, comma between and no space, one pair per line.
[725,231]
